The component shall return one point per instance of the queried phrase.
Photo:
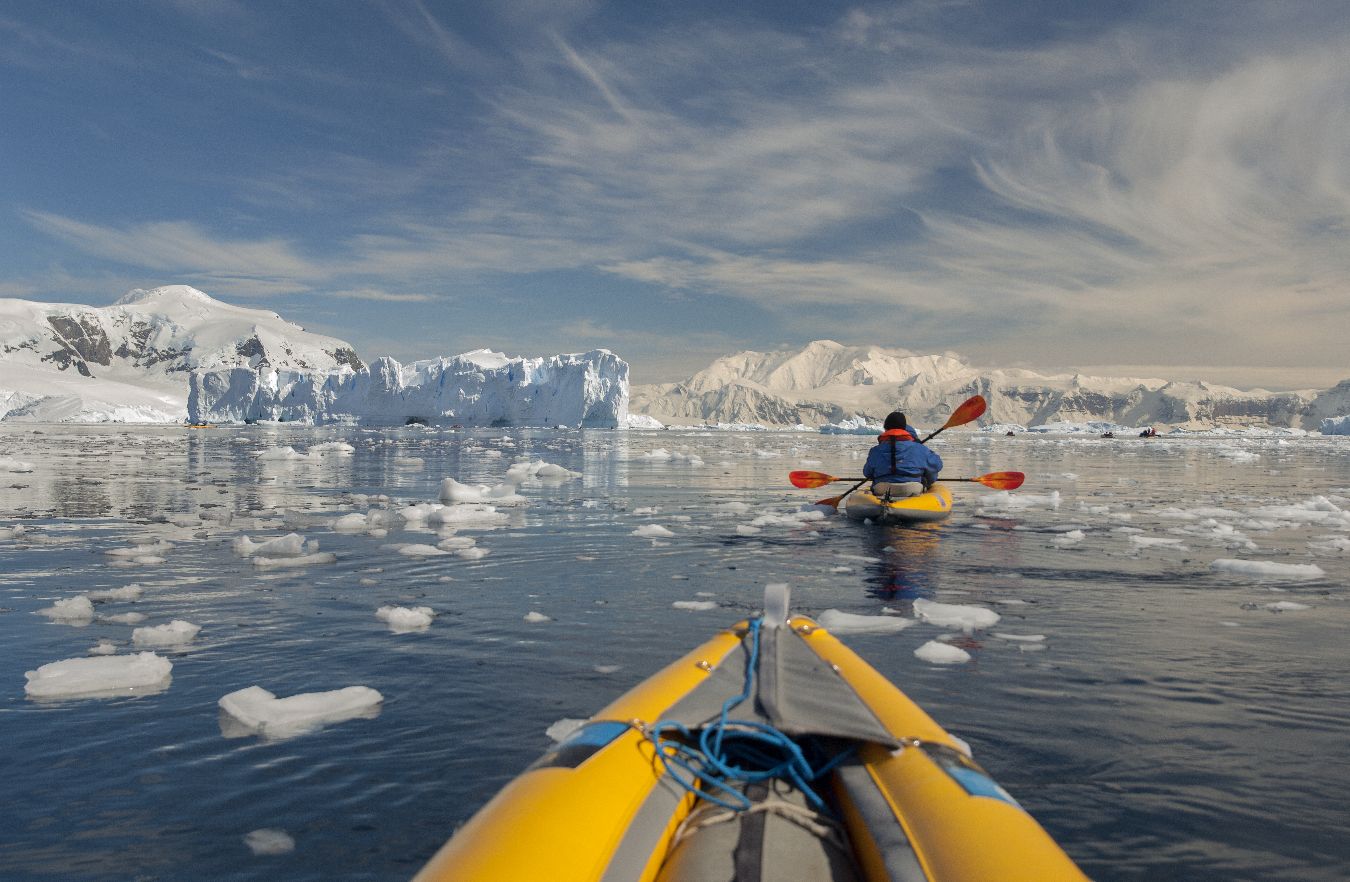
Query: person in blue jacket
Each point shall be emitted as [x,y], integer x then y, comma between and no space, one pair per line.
[899,465]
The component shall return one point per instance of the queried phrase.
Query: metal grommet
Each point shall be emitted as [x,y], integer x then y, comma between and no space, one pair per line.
[705,666]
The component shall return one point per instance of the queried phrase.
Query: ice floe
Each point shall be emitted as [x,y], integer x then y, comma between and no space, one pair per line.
[129,592]
[421,551]
[255,711]
[76,610]
[304,560]
[175,633]
[403,619]
[453,492]
[290,545]
[267,841]
[534,617]
[652,531]
[15,466]
[695,605]
[100,677]
[1264,569]
[954,615]
[937,653]
[840,622]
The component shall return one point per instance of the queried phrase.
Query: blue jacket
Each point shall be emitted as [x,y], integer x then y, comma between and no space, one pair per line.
[913,461]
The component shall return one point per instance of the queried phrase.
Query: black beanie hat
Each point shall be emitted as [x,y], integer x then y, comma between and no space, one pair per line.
[895,420]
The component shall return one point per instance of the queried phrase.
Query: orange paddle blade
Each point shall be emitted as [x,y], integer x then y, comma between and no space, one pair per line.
[1002,480]
[832,502]
[972,409]
[810,479]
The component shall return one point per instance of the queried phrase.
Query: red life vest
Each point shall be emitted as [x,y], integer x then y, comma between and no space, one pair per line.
[897,434]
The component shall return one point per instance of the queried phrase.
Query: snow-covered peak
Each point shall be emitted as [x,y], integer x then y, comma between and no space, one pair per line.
[165,295]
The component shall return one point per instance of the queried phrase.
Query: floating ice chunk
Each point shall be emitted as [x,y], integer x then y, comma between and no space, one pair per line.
[421,551]
[274,563]
[1262,569]
[290,545]
[652,531]
[129,618]
[1071,537]
[607,669]
[416,514]
[108,677]
[330,448]
[455,543]
[546,471]
[535,617]
[563,728]
[15,466]
[1333,544]
[1005,500]
[280,454]
[660,454]
[154,549]
[936,653]
[794,519]
[73,611]
[455,493]
[472,553]
[130,592]
[13,532]
[269,841]
[351,523]
[103,647]
[403,619]
[1285,606]
[747,530]
[731,509]
[255,711]
[695,605]
[953,615]
[1025,638]
[1168,542]
[175,633]
[840,622]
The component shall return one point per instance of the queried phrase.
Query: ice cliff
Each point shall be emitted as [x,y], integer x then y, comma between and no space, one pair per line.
[478,388]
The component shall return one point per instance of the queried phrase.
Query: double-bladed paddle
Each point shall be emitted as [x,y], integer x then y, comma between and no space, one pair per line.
[969,411]
[996,480]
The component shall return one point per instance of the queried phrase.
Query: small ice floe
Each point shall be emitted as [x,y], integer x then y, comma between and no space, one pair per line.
[130,592]
[102,677]
[175,633]
[1005,500]
[652,531]
[403,619]
[954,615]
[1331,544]
[468,517]
[798,518]
[695,605]
[279,454]
[607,669]
[841,569]
[1071,537]
[267,841]
[330,448]
[417,514]
[747,530]
[304,560]
[473,553]
[1261,569]
[1285,606]
[937,653]
[1020,638]
[562,729]
[128,618]
[290,545]
[534,617]
[350,523]
[140,553]
[730,509]
[15,466]
[255,711]
[13,532]
[76,610]
[544,471]
[421,551]
[454,493]
[839,622]
[1164,543]
[103,647]
[455,543]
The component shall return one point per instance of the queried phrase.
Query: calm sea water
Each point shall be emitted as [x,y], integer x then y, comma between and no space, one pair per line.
[1172,727]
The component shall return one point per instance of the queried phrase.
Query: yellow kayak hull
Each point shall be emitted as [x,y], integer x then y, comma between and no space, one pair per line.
[934,505]
[601,808]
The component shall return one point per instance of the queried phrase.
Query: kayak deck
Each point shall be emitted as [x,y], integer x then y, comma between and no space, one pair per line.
[625,798]
[933,505]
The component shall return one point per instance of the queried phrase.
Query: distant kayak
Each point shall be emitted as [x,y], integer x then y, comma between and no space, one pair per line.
[770,752]
[934,505]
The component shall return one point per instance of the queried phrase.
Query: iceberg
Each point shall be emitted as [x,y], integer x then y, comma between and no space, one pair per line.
[1339,425]
[474,389]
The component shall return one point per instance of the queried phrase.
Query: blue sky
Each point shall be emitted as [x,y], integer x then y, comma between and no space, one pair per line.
[1158,188]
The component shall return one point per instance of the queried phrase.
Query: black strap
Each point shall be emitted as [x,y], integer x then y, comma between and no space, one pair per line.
[894,468]
[749,855]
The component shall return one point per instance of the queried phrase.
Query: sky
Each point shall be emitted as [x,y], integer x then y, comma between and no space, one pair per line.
[1141,188]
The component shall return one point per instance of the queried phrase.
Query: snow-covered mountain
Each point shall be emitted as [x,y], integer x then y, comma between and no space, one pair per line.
[480,388]
[827,382]
[130,361]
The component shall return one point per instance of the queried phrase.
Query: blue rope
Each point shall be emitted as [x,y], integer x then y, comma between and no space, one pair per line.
[730,751]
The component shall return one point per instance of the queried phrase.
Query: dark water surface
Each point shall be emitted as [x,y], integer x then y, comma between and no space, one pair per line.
[1169,727]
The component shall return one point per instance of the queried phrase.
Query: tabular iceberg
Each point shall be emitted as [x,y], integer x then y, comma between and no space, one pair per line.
[479,388]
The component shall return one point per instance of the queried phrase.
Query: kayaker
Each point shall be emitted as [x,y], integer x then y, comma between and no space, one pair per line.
[899,465]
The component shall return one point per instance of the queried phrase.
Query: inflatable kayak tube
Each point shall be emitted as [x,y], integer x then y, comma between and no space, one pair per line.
[886,793]
[934,505]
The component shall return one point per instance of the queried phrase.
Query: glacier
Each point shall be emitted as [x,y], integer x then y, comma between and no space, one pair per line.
[479,388]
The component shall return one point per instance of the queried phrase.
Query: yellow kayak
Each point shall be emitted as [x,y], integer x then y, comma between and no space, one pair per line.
[934,505]
[770,752]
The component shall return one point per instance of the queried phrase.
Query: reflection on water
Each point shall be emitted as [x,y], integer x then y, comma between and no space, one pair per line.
[1156,715]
